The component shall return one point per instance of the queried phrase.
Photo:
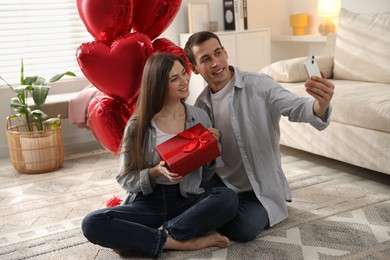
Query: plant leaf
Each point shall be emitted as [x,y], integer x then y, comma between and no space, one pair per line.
[22,88]
[59,76]
[17,105]
[54,122]
[39,94]
[20,93]
[30,80]
[40,81]
[39,116]
[22,74]
[14,116]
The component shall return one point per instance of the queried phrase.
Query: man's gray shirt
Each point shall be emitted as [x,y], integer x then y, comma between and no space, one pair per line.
[255,108]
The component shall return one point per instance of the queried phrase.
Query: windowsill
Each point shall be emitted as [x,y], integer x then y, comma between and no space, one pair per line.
[68,85]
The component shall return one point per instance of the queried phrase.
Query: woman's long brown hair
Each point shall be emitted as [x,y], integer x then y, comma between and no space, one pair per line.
[153,90]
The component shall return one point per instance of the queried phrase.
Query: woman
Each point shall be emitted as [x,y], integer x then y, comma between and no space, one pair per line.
[163,210]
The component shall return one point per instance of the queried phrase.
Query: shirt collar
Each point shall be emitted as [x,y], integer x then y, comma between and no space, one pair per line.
[238,82]
[189,115]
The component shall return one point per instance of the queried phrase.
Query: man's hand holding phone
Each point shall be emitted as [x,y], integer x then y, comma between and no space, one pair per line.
[319,88]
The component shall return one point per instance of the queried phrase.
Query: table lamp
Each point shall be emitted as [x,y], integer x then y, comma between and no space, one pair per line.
[328,9]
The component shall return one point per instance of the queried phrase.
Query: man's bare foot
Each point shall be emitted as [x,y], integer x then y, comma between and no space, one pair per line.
[214,239]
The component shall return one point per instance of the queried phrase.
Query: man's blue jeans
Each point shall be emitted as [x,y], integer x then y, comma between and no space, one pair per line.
[136,226]
[251,218]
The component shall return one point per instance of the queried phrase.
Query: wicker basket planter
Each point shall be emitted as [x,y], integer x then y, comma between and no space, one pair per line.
[37,151]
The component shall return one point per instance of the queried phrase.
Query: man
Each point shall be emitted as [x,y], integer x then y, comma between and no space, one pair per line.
[246,108]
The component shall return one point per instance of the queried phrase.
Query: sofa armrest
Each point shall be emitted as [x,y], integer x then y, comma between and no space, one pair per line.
[292,70]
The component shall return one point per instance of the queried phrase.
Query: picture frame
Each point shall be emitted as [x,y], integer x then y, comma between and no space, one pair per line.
[198,17]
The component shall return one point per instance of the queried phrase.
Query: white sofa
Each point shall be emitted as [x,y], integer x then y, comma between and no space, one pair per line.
[359,67]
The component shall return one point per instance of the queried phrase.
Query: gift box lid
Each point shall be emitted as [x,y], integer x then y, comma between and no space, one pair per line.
[189,149]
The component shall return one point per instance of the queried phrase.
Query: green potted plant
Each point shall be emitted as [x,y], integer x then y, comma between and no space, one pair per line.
[35,144]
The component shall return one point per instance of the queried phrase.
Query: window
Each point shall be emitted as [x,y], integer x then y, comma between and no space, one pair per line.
[45,33]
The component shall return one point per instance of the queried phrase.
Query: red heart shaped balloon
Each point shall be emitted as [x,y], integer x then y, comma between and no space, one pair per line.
[116,70]
[106,20]
[165,45]
[107,118]
[152,17]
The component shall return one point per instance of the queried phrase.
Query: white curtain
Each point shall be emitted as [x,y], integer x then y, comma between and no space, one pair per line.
[45,33]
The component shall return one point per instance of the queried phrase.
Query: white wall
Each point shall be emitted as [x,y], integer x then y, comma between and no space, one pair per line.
[275,14]
[262,13]
[180,23]
[270,14]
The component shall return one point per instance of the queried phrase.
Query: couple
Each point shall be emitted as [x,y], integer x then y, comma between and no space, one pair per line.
[212,205]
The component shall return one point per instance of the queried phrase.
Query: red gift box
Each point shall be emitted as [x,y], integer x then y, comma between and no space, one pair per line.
[189,150]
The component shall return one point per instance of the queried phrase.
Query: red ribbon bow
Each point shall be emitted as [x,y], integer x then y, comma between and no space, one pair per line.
[113,202]
[198,139]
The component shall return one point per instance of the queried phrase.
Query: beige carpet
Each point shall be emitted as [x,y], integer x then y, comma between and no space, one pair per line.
[40,217]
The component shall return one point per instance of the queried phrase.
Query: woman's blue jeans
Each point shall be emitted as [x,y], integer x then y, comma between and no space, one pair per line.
[251,218]
[136,226]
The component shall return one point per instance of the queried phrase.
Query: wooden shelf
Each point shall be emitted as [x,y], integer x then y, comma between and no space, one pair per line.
[303,38]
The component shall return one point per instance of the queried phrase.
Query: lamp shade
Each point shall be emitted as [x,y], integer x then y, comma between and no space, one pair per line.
[328,8]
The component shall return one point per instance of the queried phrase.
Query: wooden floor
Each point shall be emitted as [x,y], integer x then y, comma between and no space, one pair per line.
[370,180]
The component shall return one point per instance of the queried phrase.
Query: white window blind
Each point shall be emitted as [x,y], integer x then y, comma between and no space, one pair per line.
[45,33]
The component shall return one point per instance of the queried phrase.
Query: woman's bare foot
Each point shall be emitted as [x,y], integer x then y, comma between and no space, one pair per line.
[214,239]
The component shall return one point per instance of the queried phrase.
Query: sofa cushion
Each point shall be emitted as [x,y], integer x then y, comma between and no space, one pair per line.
[361,104]
[362,47]
[292,70]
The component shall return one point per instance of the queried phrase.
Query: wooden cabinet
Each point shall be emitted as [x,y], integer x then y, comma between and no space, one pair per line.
[249,50]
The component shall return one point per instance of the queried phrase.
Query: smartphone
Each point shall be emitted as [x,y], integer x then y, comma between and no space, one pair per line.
[312,67]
